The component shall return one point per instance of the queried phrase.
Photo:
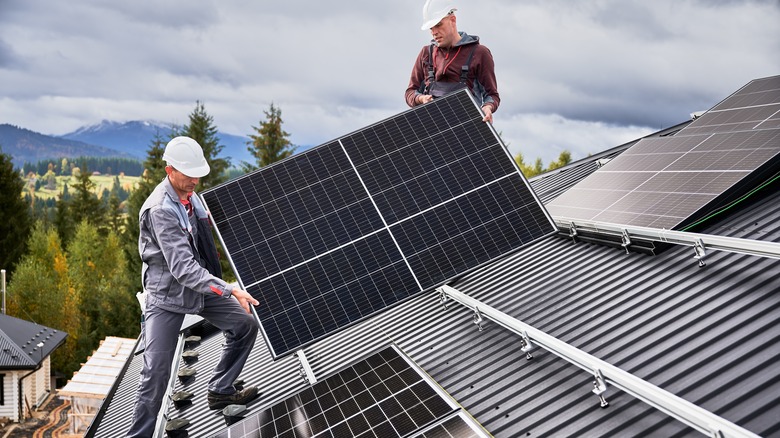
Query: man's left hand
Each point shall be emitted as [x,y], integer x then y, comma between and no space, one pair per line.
[488,110]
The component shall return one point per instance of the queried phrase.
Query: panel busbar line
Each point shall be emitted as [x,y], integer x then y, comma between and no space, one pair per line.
[672,182]
[333,235]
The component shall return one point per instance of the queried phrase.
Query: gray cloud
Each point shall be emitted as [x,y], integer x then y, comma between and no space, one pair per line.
[579,75]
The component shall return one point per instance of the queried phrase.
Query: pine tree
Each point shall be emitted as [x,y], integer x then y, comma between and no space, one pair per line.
[63,220]
[202,130]
[15,216]
[114,206]
[270,143]
[85,204]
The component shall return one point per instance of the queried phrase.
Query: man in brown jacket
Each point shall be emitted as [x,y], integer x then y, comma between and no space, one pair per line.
[452,61]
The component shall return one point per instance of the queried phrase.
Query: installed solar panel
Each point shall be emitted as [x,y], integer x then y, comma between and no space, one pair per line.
[381,396]
[672,182]
[331,236]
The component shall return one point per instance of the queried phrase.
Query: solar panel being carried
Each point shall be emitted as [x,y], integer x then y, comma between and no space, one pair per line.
[673,182]
[330,236]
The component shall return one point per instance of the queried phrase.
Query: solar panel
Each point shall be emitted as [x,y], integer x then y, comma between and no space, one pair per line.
[385,395]
[672,182]
[330,236]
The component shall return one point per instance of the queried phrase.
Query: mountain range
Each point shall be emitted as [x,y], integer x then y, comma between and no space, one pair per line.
[105,139]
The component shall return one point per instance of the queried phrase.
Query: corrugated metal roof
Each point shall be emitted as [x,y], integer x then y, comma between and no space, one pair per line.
[710,335]
[19,341]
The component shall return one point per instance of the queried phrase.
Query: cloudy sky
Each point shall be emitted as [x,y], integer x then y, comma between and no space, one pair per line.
[577,75]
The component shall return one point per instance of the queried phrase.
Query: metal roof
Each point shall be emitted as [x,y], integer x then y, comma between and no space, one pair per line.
[710,335]
[19,341]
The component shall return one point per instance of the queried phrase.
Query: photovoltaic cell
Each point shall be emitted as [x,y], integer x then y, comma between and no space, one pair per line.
[381,396]
[672,182]
[330,236]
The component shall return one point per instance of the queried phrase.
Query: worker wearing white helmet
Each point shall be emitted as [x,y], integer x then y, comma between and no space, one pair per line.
[452,61]
[181,275]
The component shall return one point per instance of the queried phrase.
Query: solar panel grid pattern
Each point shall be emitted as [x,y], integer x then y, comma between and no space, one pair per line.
[331,236]
[663,182]
[381,396]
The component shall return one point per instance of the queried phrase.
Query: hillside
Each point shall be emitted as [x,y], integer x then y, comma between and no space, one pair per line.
[24,145]
[135,136]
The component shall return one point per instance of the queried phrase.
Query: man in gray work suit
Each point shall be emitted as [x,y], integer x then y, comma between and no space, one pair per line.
[181,275]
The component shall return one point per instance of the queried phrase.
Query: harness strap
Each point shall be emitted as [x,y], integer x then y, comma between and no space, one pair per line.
[464,70]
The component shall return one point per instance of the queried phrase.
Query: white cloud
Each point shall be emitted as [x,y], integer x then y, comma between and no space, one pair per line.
[545,136]
[574,75]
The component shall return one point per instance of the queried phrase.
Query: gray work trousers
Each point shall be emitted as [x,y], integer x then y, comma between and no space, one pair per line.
[161,330]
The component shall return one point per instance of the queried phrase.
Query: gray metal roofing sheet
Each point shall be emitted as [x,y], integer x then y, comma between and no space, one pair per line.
[19,340]
[710,335]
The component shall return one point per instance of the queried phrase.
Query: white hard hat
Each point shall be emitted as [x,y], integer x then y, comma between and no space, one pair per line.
[434,11]
[186,156]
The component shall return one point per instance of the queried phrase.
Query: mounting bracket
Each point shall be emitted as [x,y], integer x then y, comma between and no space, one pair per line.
[478,318]
[526,345]
[573,231]
[305,369]
[600,387]
[443,298]
[626,240]
[699,252]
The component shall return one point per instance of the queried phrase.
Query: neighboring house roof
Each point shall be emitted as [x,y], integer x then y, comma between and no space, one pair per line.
[710,335]
[19,341]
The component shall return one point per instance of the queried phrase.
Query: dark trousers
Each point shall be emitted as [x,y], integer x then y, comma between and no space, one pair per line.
[161,330]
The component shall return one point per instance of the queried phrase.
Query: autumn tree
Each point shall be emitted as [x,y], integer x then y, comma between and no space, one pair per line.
[40,292]
[15,217]
[270,142]
[202,130]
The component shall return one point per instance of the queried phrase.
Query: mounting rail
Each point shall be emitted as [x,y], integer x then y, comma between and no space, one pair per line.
[604,373]
[700,242]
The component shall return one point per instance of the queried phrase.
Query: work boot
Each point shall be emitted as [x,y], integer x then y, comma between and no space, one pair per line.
[220,401]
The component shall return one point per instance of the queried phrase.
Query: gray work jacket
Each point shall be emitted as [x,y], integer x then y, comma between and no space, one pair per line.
[172,272]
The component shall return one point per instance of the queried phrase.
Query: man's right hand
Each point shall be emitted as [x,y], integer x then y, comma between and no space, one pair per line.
[423,98]
[245,299]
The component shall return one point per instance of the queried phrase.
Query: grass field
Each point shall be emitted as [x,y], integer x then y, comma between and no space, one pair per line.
[102,182]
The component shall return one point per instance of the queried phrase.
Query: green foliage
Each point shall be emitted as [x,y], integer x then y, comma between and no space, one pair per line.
[527,170]
[83,291]
[270,143]
[63,219]
[538,168]
[40,292]
[84,203]
[15,219]
[97,272]
[563,159]
[202,130]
